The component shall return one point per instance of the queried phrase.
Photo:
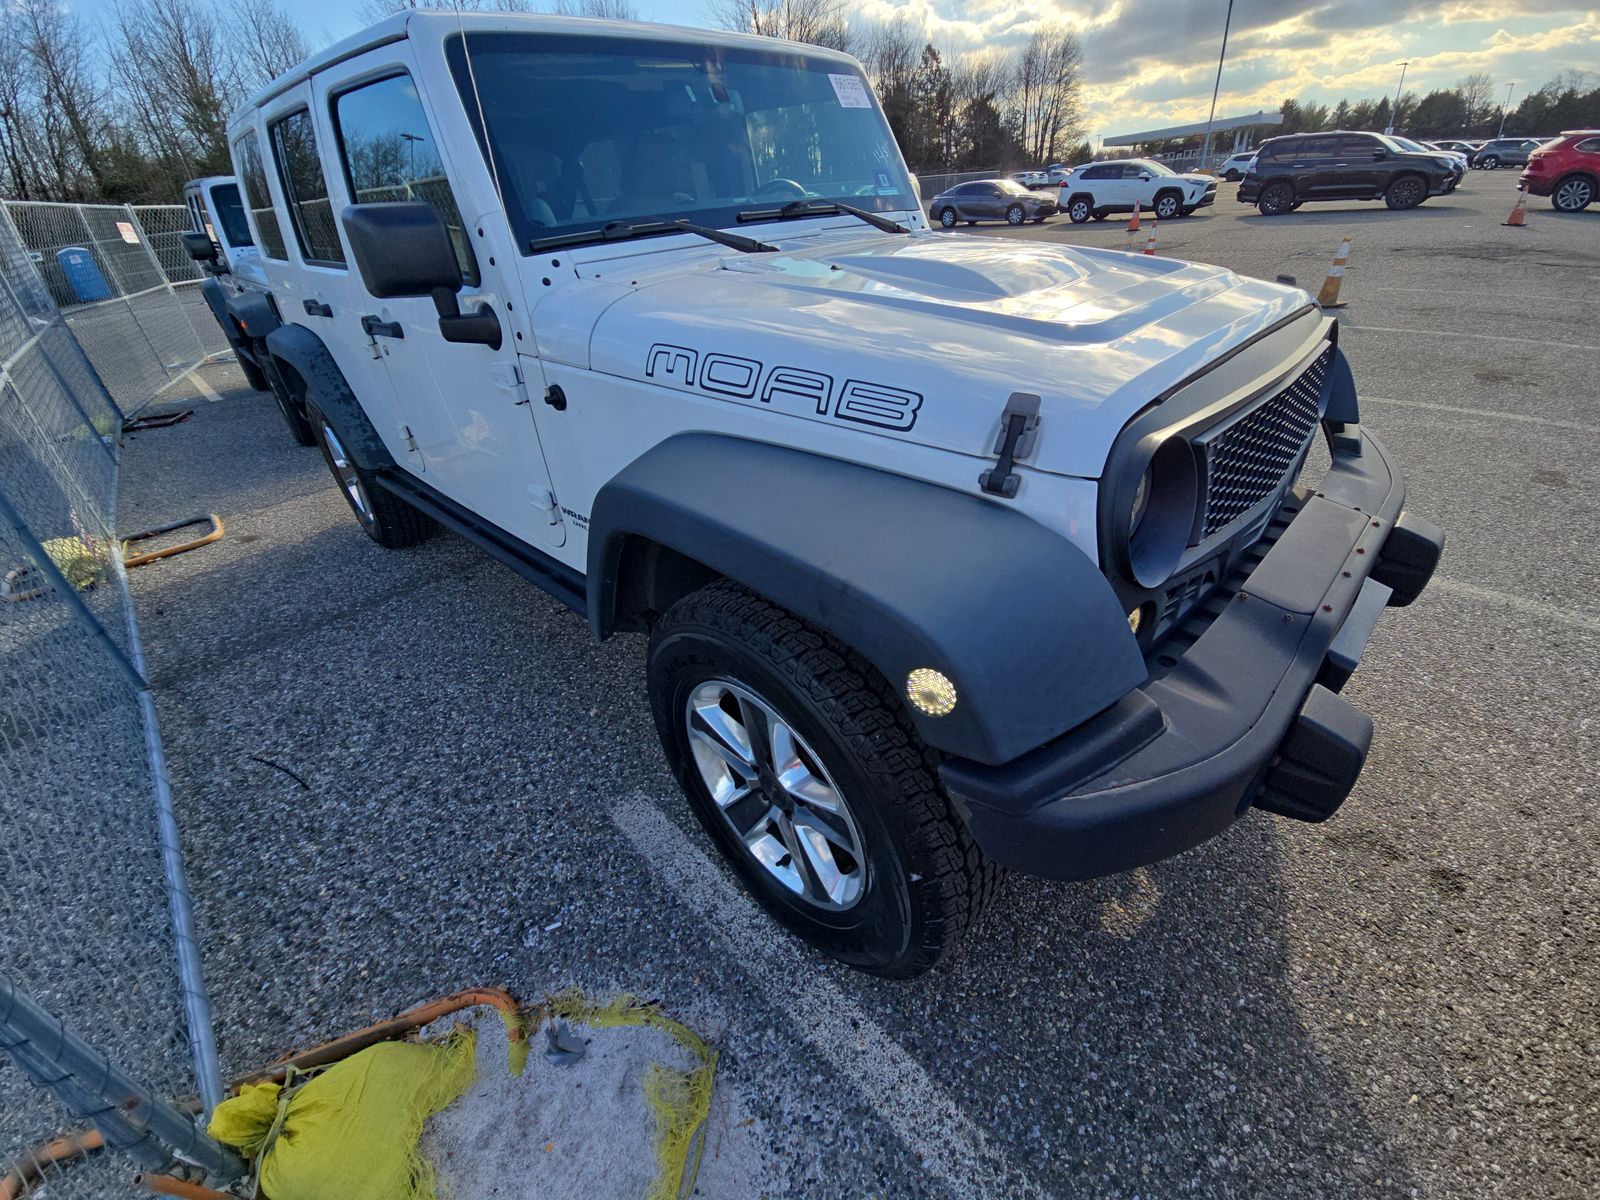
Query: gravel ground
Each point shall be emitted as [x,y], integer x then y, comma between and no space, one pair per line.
[395,770]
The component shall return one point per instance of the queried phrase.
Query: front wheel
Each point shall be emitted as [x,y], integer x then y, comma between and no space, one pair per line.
[1573,194]
[947,218]
[1015,215]
[1167,206]
[1406,192]
[803,767]
[1275,198]
[384,517]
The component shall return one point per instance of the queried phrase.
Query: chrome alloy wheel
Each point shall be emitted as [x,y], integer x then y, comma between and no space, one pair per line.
[349,480]
[1574,195]
[775,794]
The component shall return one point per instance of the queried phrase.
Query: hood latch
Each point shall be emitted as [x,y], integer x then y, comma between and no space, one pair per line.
[1018,428]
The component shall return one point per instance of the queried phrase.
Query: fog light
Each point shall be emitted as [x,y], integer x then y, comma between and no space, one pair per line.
[931,692]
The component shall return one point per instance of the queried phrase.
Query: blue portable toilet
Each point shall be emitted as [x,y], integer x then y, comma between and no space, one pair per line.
[83,275]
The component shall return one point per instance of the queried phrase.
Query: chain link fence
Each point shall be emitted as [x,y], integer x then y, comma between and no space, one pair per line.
[97,940]
[119,276]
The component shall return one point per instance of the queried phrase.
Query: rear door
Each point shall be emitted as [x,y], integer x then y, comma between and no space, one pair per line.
[470,413]
[1320,169]
[1359,167]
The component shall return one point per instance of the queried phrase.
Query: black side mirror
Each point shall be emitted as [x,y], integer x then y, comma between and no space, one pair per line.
[199,247]
[402,249]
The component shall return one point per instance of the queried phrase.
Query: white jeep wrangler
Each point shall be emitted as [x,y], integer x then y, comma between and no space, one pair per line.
[954,553]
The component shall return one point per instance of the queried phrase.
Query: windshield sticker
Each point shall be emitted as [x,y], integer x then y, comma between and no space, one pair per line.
[851,91]
[885,185]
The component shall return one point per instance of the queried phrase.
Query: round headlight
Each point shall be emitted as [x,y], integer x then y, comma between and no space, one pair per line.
[1162,512]
[1141,503]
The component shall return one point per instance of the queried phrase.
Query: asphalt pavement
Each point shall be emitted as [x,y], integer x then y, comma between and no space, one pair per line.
[403,773]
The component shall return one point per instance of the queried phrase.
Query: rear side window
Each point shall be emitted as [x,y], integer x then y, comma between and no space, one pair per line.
[1589,145]
[294,145]
[247,158]
[389,153]
[1318,149]
[230,211]
[1114,171]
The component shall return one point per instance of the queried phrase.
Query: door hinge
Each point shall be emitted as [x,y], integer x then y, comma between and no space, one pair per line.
[507,377]
[408,439]
[544,500]
[1019,425]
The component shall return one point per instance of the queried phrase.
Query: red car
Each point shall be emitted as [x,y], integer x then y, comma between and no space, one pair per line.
[1567,169]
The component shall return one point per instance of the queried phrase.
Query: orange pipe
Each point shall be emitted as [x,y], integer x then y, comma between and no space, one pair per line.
[30,1168]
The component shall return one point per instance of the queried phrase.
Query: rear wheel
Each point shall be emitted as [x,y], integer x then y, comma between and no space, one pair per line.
[1231,176]
[1101,214]
[1407,191]
[290,405]
[1275,198]
[947,217]
[1080,210]
[1573,194]
[803,767]
[1489,162]
[384,517]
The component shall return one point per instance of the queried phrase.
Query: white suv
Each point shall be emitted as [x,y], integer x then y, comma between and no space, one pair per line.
[941,544]
[1118,185]
[1236,166]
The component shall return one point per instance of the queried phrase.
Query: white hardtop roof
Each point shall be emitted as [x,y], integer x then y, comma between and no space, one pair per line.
[421,25]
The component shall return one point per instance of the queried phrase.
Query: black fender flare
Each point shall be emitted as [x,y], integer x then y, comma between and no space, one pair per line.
[907,573]
[325,386]
[255,312]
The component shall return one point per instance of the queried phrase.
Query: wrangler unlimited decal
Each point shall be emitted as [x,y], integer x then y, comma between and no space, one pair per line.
[790,389]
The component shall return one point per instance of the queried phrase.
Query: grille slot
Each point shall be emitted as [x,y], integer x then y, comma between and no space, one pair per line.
[1250,458]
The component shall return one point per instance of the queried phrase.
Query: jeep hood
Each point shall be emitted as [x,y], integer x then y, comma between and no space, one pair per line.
[934,331]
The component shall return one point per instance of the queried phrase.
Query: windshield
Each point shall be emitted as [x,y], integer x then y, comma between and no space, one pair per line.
[230,214]
[588,130]
[1408,144]
[1011,187]
[1155,168]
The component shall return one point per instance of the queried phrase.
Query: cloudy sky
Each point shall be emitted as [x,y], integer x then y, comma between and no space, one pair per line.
[1152,62]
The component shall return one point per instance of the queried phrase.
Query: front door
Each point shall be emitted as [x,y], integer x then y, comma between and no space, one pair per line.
[471,415]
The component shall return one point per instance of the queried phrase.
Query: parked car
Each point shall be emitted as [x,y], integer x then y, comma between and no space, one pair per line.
[235,288]
[990,200]
[935,541]
[1505,152]
[1236,166]
[1567,169]
[1059,172]
[1460,160]
[1119,184]
[1465,149]
[1031,179]
[1299,168]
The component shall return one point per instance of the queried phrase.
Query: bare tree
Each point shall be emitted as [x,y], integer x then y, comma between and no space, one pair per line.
[72,97]
[819,22]
[1477,97]
[610,10]
[1049,104]
[377,10]
[266,41]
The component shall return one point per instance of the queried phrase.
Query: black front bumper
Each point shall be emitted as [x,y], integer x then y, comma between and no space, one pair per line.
[1247,714]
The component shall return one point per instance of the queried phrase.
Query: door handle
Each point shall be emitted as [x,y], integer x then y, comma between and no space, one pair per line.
[373,327]
[316,308]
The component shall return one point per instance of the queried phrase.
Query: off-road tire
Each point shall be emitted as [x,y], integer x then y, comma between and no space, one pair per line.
[1079,210]
[1405,191]
[947,217]
[1572,193]
[1016,215]
[1168,205]
[926,879]
[383,516]
[1276,198]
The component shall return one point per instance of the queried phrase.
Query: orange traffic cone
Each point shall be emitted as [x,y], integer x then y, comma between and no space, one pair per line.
[1150,242]
[1519,211]
[1328,297]
[1133,225]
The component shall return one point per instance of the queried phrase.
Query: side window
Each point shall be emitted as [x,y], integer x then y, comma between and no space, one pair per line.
[389,153]
[247,157]
[1271,152]
[1589,145]
[294,145]
[1133,170]
[230,211]
[1318,150]
[1357,148]
[1100,173]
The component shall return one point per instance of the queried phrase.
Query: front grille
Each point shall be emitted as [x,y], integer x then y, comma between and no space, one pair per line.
[1251,457]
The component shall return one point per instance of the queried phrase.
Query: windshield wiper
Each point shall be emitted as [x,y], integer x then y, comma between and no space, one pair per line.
[621,231]
[796,209]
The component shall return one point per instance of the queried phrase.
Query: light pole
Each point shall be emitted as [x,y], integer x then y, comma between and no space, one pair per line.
[411,140]
[1395,111]
[1503,108]
[1205,149]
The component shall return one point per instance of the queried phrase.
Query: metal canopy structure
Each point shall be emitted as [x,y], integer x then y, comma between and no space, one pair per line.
[1196,130]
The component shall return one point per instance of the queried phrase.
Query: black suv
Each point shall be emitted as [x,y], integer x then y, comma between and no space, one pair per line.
[1291,170]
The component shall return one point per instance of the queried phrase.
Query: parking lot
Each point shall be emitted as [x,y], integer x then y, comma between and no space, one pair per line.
[403,773]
